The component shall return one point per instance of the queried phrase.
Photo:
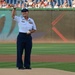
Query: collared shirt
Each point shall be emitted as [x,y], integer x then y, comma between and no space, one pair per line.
[25,25]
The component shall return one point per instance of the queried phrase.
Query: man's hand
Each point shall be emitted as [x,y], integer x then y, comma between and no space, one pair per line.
[28,32]
[13,12]
[14,8]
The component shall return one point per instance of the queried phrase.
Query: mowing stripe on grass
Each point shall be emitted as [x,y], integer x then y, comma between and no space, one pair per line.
[54,65]
[42,48]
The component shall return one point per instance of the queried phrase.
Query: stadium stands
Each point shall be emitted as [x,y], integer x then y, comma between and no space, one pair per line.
[37,3]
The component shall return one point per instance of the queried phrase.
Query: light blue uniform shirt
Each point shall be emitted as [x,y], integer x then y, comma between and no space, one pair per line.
[25,25]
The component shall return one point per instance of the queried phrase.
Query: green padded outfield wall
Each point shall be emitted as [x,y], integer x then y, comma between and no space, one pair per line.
[52,25]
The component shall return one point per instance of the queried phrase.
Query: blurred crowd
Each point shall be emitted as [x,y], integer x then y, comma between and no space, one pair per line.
[37,3]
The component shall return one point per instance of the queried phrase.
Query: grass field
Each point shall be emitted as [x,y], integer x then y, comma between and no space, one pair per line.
[45,49]
[53,65]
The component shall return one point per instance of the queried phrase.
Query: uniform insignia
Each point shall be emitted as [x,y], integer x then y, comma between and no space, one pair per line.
[30,21]
[23,21]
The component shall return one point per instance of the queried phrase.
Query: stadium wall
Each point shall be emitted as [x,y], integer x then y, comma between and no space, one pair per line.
[52,25]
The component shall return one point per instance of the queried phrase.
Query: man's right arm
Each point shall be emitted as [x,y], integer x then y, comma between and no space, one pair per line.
[13,12]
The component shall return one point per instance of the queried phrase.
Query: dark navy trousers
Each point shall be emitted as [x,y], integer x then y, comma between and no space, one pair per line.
[24,44]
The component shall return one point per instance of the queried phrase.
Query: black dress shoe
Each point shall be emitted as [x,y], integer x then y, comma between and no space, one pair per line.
[27,68]
[21,68]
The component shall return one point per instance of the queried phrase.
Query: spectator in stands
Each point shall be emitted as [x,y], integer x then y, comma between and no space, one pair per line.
[49,4]
[56,5]
[37,3]
[21,2]
[52,2]
[73,4]
[69,3]
[0,4]
[18,5]
[45,3]
[65,4]
[31,4]
[4,4]
[8,6]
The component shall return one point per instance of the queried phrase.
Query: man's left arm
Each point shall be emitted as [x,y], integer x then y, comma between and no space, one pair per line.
[30,31]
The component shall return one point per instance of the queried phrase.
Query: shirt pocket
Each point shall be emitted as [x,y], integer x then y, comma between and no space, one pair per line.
[29,26]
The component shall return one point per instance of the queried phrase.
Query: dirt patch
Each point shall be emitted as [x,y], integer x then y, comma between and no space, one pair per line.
[41,58]
[34,71]
[37,71]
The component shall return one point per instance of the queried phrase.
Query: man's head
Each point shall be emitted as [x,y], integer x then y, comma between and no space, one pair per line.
[25,12]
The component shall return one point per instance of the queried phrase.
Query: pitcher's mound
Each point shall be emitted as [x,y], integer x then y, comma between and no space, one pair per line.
[34,71]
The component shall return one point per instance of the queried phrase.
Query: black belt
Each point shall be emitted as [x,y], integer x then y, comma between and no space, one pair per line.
[22,33]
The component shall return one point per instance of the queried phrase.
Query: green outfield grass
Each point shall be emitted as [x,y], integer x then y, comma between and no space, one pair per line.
[46,49]
[53,65]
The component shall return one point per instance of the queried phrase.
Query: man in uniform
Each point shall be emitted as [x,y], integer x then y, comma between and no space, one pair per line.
[26,26]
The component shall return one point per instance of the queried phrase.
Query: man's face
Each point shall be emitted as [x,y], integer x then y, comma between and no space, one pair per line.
[25,14]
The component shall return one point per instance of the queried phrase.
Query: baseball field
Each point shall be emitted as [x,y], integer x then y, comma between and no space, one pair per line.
[60,56]
[56,57]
